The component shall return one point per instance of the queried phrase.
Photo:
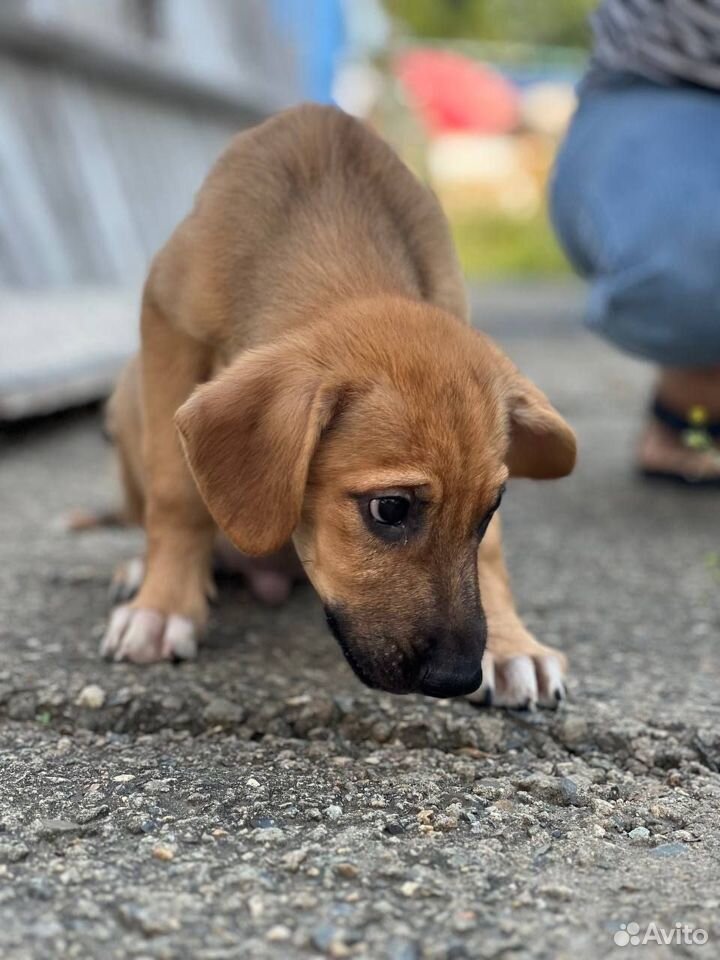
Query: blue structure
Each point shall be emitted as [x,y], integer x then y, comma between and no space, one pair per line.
[316,30]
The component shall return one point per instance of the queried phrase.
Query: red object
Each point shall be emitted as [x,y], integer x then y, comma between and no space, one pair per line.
[453,93]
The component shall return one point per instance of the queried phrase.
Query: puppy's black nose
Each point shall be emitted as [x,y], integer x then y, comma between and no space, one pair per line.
[451,682]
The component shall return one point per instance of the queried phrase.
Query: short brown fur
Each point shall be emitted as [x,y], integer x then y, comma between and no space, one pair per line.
[314,295]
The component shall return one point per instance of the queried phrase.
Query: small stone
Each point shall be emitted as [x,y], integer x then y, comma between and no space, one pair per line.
[92,697]
[334,812]
[572,729]
[347,870]
[150,920]
[139,825]
[639,834]
[222,712]
[268,835]
[556,891]
[669,850]
[410,888]
[252,783]
[294,858]
[278,933]
[684,836]
[394,828]
[163,851]
[256,906]
[602,807]
[157,786]
[400,948]
[13,851]
[329,940]
[93,813]
[124,778]
[262,823]
[561,791]
[50,829]
[446,823]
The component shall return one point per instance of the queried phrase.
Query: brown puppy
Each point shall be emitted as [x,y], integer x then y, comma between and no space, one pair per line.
[346,406]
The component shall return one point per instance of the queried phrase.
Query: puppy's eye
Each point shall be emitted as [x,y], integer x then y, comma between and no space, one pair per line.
[498,499]
[391,511]
[485,522]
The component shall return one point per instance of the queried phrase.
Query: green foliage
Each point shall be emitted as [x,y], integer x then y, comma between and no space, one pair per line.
[562,22]
[491,246]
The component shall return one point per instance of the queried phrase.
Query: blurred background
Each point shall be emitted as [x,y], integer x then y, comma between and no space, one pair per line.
[111,113]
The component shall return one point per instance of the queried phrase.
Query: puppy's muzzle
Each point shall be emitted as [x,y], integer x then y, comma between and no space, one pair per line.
[445,665]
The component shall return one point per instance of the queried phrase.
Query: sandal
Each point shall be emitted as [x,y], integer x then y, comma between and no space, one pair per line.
[697,433]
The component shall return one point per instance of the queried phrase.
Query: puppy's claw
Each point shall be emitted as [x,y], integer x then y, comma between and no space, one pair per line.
[146,636]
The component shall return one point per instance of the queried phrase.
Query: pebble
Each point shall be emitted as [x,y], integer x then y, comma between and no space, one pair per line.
[294,858]
[639,834]
[669,850]
[278,933]
[334,812]
[152,921]
[13,851]
[50,829]
[268,835]
[256,906]
[329,940]
[157,786]
[93,813]
[561,791]
[222,712]
[394,828]
[347,870]
[684,836]
[163,851]
[124,778]
[91,696]
[556,891]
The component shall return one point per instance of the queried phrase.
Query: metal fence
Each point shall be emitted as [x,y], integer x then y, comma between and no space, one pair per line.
[110,115]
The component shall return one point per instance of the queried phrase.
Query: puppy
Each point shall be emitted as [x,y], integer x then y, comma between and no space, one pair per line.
[308,375]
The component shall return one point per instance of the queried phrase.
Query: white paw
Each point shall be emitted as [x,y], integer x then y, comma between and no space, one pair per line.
[522,682]
[127,580]
[146,636]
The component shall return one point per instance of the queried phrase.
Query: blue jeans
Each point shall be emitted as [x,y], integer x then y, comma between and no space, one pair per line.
[635,200]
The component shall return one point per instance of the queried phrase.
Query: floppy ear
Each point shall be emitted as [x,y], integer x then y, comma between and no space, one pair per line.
[542,445]
[249,437]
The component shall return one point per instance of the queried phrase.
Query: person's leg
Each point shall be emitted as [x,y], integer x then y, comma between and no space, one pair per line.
[636,203]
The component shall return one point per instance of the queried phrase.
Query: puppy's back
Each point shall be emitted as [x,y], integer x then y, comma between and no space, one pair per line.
[303,210]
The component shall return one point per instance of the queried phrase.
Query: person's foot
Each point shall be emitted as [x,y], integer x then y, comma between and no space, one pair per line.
[681,440]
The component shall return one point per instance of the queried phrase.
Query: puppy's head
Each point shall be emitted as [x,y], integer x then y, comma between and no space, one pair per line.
[381,443]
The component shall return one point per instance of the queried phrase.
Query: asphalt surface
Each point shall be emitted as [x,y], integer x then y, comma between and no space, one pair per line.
[261,803]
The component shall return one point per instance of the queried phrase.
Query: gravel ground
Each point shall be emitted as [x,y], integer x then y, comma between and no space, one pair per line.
[261,803]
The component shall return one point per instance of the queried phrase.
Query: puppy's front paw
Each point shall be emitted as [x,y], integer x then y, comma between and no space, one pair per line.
[141,635]
[522,675]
